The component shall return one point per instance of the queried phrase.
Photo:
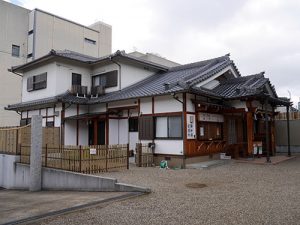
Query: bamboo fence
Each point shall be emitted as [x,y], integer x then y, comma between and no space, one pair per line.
[82,159]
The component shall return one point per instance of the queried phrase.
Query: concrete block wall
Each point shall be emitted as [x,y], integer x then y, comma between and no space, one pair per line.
[14,175]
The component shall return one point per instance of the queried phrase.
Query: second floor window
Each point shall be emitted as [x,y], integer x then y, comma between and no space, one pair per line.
[109,79]
[76,79]
[37,82]
[15,50]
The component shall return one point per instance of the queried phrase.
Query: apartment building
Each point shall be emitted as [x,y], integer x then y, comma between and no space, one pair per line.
[29,34]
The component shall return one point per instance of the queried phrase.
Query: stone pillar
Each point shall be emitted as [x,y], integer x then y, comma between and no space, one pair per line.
[36,154]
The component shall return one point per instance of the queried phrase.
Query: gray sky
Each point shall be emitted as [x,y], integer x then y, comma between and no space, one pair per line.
[260,35]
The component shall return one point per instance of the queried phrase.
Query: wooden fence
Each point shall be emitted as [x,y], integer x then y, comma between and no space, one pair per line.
[82,159]
[12,137]
[144,155]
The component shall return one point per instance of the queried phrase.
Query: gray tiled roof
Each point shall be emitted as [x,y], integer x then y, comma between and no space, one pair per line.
[243,86]
[67,54]
[75,55]
[179,79]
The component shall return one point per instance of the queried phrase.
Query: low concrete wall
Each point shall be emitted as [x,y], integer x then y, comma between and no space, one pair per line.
[8,170]
[15,175]
[284,149]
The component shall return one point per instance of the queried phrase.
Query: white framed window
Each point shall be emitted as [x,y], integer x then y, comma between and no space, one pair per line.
[168,127]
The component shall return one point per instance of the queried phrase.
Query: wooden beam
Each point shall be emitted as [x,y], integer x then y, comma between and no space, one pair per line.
[107,126]
[249,118]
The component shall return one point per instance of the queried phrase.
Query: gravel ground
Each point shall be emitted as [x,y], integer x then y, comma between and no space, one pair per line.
[236,193]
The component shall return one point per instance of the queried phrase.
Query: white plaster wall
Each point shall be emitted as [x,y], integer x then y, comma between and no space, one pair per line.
[123,131]
[212,84]
[63,76]
[174,147]
[83,109]
[238,104]
[190,106]
[71,111]
[167,103]
[70,132]
[133,74]
[49,91]
[97,108]
[113,131]
[217,75]
[33,112]
[58,118]
[146,105]
[133,139]
[83,133]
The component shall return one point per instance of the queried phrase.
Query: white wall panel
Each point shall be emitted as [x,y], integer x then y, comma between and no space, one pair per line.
[133,139]
[70,132]
[113,132]
[123,131]
[146,105]
[190,106]
[167,103]
[83,133]
[174,147]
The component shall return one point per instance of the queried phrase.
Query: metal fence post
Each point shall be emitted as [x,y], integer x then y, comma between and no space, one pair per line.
[127,156]
[80,158]
[106,157]
[46,155]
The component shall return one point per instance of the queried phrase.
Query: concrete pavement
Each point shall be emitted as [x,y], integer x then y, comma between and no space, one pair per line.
[26,206]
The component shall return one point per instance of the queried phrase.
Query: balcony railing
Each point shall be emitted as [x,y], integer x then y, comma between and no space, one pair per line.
[97,90]
[79,90]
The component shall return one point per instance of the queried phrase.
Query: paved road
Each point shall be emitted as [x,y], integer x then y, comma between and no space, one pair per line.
[17,205]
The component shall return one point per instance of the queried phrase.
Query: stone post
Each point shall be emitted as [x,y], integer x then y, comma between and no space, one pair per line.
[35,183]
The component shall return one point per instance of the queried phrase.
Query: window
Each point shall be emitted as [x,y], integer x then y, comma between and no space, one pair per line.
[50,124]
[37,82]
[109,79]
[29,55]
[210,131]
[24,122]
[133,124]
[15,50]
[30,32]
[76,79]
[90,41]
[169,127]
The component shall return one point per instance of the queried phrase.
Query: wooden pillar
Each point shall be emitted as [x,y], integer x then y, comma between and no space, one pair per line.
[249,117]
[107,126]
[267,131]
[184,129]
[288,129]
[95,131]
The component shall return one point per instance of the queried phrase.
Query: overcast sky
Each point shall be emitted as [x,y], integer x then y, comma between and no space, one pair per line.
[260,35]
